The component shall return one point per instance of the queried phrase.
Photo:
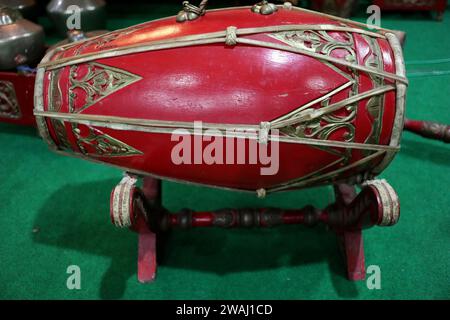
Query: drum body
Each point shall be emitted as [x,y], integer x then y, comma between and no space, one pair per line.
[326,96]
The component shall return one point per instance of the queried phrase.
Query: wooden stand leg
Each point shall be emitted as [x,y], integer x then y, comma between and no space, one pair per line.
[131,207]
[350,241]
[146,257]
[376,204]
[352,248]
[147,263]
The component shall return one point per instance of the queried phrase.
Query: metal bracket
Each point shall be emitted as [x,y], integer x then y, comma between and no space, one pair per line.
[191,12]
[264,7]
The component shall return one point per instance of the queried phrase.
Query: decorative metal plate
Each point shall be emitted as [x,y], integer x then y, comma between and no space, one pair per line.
[9,107]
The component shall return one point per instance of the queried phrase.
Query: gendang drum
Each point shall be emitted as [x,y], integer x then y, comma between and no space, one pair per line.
[190,98]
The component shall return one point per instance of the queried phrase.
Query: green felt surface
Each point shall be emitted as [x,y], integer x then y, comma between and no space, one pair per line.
[66,201]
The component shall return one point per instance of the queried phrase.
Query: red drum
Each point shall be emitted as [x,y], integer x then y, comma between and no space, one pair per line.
[323,94]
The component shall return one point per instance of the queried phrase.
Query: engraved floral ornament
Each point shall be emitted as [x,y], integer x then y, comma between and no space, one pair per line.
[323,43]
[98,82]
[318,41]
[9,107]
[103,144]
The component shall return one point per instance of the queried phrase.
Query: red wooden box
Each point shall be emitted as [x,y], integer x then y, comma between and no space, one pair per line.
[414,5]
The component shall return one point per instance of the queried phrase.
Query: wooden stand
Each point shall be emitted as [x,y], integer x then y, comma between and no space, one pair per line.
[428,129]
[141,210]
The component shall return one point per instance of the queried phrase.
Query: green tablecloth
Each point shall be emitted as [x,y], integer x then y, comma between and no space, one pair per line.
[54,213]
